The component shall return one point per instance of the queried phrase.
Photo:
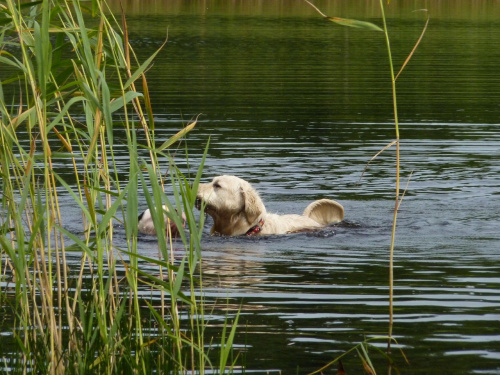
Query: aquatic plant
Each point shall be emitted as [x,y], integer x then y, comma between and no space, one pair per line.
[68,84]
[399,194]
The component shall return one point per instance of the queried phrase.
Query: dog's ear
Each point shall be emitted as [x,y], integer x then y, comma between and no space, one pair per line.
[254,207]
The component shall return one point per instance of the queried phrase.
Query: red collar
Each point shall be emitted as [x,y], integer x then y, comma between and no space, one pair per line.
[256,228]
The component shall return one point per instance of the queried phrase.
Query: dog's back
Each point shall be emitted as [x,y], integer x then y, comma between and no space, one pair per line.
[282,224]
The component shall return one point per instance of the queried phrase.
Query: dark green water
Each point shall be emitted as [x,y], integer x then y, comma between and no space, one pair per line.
[298,106]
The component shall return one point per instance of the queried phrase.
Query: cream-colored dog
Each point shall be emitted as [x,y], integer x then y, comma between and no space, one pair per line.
[145,223]
[237,209]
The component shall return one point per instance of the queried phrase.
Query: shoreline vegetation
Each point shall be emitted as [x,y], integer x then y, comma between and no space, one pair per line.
[71,81]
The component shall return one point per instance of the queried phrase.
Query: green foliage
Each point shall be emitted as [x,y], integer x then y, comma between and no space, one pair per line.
[354,23]
[87,317]
[347,21]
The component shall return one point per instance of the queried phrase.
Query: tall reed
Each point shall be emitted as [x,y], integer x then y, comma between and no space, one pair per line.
[68,83]
[398,193]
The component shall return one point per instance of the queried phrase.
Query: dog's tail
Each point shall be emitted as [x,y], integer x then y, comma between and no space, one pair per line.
[325,211]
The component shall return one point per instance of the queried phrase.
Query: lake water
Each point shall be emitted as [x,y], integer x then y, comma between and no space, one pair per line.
[297,106]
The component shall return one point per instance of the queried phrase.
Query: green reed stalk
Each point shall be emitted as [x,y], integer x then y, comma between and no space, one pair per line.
[397,197]
[92,322]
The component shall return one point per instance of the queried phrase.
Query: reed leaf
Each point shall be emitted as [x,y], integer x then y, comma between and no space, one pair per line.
[142,68]
[354,23]
[175,184]
[14,62]
[131,219]
[106,107]
[76,198]
[416,44]
[347,21]
[179,276]
[365,360]
[155,205]
[376,156]
[156,261]
[18,120]
[88,57]
[111,211]
[227,345]
[177,137]
[147,100]
[159,284]
[161,321]
[43,49]
[119,102]
[82,246]
[63,112]
[11,253]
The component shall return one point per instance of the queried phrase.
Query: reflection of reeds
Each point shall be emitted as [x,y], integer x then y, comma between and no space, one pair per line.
[73,79]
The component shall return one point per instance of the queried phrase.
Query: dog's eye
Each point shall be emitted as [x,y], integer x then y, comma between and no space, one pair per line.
[216,185]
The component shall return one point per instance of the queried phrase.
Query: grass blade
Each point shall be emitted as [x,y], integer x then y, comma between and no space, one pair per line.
[169,142]
[143,67]
[347,21]
[354,23]
[416,45]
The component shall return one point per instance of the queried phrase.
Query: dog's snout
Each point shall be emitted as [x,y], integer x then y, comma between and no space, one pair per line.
[197,203]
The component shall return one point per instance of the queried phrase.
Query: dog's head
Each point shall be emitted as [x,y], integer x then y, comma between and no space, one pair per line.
[226,197]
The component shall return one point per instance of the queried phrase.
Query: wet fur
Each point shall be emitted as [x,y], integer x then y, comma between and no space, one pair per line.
[235,207]
[145,223]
